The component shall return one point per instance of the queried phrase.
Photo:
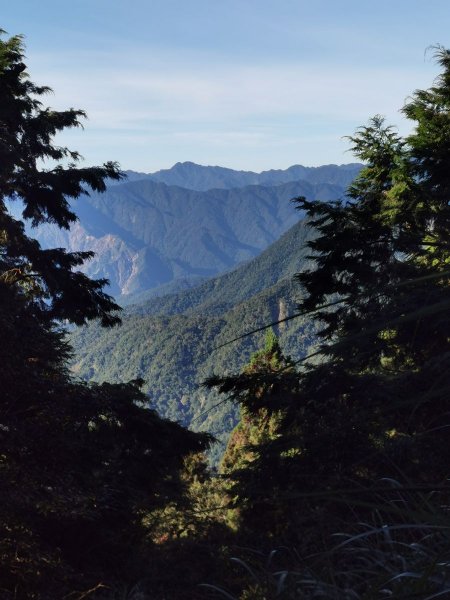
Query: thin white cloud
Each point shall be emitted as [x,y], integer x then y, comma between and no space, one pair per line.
[122,98]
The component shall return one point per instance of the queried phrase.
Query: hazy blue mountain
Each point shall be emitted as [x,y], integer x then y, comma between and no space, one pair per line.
[201,178]
[281,260]
[170,341]
[147,234]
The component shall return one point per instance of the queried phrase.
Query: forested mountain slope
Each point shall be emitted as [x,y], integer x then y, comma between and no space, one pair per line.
[282,259]
[170,341]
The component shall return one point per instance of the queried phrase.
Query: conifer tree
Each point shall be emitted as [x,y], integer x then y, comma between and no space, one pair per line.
[375,404]
[54,285]
[246,470]
[82,467]
[258,424]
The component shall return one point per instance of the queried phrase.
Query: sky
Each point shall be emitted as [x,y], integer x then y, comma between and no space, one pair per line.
[245,84]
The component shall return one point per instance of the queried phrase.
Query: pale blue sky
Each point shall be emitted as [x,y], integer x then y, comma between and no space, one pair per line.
[247,84]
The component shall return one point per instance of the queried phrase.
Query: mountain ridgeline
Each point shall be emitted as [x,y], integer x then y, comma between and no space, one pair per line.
[150,233]
[203,178]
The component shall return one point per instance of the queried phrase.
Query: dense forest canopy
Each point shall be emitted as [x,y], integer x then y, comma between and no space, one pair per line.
[100,496]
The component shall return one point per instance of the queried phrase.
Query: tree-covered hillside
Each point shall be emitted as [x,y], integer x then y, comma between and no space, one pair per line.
[146,234]
[170,341]
[284,258]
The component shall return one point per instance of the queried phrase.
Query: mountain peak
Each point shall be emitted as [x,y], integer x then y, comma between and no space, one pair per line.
[202,178]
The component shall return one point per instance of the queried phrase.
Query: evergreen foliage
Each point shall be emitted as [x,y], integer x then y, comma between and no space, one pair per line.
[80,465]
[258,425]
[27,131]
[374,408]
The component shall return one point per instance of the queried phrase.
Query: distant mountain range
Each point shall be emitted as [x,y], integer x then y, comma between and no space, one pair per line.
[170,341]
[175,227]
[202,178]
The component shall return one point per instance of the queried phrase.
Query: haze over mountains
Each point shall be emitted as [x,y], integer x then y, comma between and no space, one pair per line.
[181,225]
